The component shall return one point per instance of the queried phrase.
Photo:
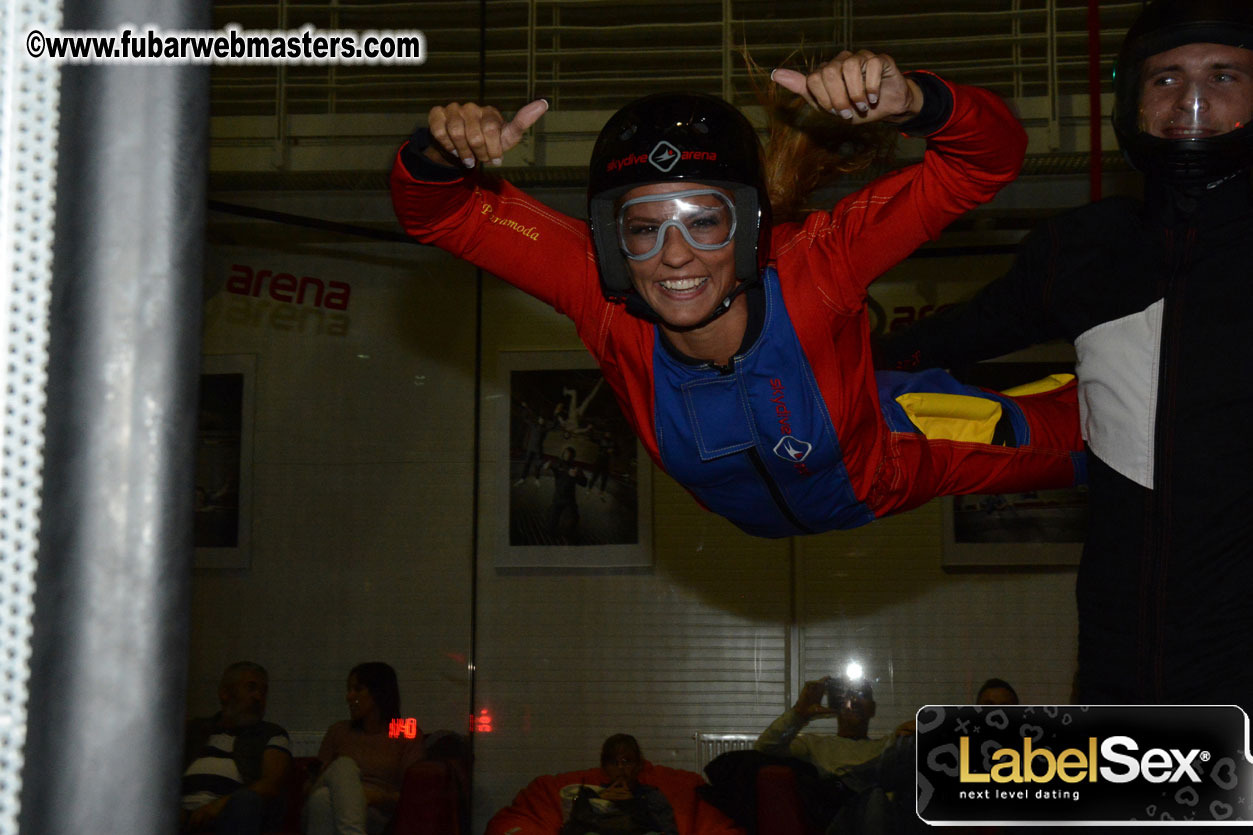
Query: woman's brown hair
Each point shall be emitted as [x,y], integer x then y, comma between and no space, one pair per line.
[807,149]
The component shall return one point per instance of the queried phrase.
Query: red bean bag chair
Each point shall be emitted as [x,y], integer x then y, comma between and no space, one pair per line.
[537,808]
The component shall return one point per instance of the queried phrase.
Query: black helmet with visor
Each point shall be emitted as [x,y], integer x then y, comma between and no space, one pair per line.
[685,138]
[1162,26]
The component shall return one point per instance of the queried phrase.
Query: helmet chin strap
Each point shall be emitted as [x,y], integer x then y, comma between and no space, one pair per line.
[1237,173]
[1197,187]
[1185,197]
[636,306]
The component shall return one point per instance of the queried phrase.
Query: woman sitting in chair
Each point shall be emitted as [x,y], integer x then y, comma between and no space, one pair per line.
[362,764]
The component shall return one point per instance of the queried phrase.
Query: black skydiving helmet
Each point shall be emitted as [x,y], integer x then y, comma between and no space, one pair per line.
[1162,26]
[679,137]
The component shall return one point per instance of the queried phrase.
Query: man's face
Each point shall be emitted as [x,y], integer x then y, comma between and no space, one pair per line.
[681,283]
[243,700]
[1196,91]
[855,712]
[996,696]
[623,765]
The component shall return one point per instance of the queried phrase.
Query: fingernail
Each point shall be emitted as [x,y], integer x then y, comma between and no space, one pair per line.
[847,114]
[862,107]
[874,97]
[468,162]
[496,161]
[772,72]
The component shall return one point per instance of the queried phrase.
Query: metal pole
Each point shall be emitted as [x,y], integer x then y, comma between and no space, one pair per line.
[475,486]
[532,84]
[108,672]
[1054,82]
[793,637]
[1015,29]
[1094,100]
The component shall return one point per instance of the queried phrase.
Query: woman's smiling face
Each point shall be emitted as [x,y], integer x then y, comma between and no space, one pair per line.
[681,283]
[360,700]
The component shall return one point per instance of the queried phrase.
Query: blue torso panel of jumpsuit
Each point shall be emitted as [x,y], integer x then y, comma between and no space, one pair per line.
[756,444]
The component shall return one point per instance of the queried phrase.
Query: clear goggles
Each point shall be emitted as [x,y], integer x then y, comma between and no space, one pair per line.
[705,217]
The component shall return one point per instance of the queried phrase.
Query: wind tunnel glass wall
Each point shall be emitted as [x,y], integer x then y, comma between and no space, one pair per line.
[383,454]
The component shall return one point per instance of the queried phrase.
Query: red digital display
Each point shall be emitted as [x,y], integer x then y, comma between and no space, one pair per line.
[408,728]
[483,722]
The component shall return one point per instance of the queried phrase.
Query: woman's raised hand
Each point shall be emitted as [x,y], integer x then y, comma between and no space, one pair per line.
[476,133]
[858,86]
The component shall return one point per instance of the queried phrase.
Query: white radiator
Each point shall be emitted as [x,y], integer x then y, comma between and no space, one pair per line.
[710,745]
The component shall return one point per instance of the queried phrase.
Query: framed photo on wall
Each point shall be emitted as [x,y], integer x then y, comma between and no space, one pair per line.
[1037,528]
[223,502]
[574,482]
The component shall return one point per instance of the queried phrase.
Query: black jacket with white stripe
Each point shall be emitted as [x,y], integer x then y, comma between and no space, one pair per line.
[1157,297]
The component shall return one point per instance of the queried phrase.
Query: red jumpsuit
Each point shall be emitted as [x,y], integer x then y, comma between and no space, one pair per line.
[860,454]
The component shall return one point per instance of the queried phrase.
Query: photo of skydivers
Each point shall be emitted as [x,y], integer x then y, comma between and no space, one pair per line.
[573,462]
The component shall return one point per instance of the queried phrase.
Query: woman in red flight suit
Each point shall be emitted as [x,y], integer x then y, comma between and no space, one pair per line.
[737,348]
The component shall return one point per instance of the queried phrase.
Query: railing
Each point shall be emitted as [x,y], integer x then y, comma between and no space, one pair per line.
[598,54]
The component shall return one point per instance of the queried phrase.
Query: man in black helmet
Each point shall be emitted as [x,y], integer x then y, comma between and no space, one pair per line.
[1156,297]
[738,349]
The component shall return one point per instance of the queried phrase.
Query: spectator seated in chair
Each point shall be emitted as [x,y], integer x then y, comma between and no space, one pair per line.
[837,783]
[627,795]
[362,765]
[852,704]
[235,763]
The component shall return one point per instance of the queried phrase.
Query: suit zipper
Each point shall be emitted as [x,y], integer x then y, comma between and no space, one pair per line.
[753,455]
[775,492]
[758,464]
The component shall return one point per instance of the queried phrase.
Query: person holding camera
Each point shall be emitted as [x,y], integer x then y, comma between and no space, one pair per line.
[875,776]
[852,704]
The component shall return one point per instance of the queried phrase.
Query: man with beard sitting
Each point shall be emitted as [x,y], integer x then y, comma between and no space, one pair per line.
[234,762]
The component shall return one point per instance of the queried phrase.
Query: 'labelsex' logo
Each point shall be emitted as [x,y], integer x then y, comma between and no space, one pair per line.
[1156,765]
[664,156]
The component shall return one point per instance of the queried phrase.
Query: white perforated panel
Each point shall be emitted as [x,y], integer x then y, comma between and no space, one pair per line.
[28,125]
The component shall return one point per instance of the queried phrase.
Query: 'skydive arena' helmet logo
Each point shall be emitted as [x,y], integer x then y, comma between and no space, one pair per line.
[664,156]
